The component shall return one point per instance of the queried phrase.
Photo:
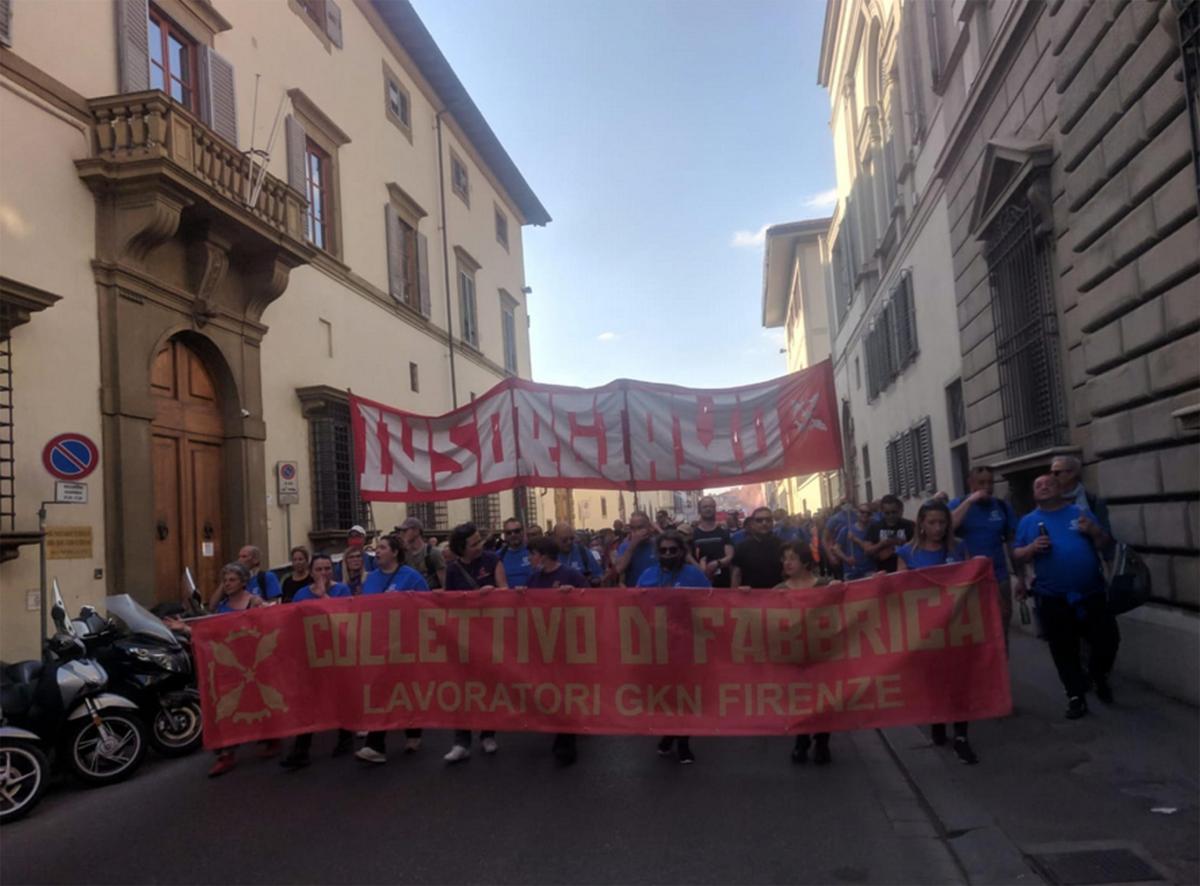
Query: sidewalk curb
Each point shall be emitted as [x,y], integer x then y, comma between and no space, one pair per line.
[983,850]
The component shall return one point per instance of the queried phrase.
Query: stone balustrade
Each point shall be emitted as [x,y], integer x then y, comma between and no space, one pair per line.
[143,126]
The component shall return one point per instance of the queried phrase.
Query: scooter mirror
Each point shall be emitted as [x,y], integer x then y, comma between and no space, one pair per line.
[58,611]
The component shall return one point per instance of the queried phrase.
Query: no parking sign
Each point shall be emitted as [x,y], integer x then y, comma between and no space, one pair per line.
[287,474]
[70,456]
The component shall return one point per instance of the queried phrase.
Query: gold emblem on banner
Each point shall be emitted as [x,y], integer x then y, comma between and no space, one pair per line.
[230,703]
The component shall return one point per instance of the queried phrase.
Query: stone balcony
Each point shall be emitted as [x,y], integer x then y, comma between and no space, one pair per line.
[141,136]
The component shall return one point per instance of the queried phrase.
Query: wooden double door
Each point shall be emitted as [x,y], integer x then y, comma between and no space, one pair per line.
[188,432]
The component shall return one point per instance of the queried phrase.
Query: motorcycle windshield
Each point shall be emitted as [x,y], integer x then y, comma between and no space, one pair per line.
[138,619]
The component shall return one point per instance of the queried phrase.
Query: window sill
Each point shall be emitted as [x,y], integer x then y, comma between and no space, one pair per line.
[317,30]
[405,128]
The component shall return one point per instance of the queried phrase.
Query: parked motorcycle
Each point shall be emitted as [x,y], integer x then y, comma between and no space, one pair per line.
[62,700]
[147,663]
[24,768]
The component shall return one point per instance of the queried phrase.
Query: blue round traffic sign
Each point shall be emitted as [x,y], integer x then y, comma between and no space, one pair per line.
[70,456]
[288,471]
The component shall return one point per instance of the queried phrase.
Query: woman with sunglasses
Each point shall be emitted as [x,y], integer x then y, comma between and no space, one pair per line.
[934,545]
[673,571]
[799,575]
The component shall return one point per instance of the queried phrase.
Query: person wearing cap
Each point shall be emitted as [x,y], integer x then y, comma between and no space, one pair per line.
[357,538]
[420,554]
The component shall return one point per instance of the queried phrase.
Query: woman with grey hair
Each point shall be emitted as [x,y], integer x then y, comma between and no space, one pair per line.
[236,597]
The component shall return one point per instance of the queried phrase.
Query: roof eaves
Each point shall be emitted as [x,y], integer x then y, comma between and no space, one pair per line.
[408,28]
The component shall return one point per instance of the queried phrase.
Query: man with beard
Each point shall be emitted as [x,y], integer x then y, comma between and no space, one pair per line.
[711,545]
[758,561]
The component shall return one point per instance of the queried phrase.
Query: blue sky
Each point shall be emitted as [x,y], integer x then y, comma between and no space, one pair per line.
[662,137]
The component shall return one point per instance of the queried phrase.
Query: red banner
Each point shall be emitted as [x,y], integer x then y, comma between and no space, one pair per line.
[915,647]
[625,435]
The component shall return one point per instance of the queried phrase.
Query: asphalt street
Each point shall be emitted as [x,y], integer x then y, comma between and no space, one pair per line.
[742,814]
[891,809]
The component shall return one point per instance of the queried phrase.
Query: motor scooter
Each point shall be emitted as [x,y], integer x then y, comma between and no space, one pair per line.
[63,701]
[149,664]
[24,768]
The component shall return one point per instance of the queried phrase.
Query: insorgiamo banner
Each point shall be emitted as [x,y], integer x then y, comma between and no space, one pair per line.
[914,647]
[625,435]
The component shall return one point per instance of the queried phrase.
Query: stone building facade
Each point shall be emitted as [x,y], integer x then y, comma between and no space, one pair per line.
[216,219]
[1031,166]
[1071,180]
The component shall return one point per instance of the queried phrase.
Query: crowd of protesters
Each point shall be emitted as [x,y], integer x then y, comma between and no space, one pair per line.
[1059,547]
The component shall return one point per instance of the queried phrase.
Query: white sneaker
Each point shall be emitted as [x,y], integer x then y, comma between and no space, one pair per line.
[361,734]
[370,755]
[490,746]
[412,745]
[457,754]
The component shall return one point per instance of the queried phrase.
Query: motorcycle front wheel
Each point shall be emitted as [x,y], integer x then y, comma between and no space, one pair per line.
[23,775]
[106,751]
[177,729]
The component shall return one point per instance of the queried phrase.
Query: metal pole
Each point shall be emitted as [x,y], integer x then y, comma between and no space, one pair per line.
[42,565]
[287,510]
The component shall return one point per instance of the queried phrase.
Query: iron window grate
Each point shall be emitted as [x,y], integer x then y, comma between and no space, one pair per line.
[336,505]
[1188,15]
[1026,332]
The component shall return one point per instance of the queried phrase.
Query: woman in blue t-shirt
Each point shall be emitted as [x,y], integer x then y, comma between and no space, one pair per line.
[235,597]
[936,546]
[322,587]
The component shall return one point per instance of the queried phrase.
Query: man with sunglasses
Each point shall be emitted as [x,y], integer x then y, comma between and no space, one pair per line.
[758,560]
[889,535]
[515,555]
[673,571]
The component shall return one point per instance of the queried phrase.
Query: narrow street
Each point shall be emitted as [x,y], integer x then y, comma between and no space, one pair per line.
[891,809]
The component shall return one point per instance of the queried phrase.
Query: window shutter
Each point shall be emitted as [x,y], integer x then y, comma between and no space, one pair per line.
[296,137]
[893,468]
[907,464]
[395,254]
[218,104]
[333,22]
[911,315]
[423,273]
[6,22]
[925,436]
[133,45]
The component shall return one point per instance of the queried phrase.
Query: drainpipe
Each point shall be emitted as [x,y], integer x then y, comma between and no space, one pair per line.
[446,258]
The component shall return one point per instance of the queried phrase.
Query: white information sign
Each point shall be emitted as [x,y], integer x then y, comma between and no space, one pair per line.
[69,493]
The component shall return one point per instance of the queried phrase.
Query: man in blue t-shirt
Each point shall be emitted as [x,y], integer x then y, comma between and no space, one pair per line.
[987,525]
[851,546]
[636,554]
[672,569]
[572,553]
[515,555]
[263,583]
[1064,542]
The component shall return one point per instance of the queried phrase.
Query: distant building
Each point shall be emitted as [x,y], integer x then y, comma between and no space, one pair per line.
[796,296]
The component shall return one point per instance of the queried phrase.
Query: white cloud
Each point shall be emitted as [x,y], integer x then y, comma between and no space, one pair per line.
[821,200]
[606,336]
[750,238]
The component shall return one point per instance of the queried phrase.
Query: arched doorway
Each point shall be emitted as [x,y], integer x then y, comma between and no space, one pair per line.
[186,453]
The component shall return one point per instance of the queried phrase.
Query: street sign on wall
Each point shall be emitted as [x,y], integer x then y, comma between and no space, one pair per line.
[68,493]
[68,542]
[70,456]
[287,479]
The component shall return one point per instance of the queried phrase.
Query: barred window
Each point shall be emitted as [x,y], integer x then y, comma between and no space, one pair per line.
[336,505]
[1188,14]
[434,515]
[1020,276]
[485,512]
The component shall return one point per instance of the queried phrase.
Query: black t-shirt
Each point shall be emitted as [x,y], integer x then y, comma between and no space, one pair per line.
[761,561]
[710,544]
[290,585]
[904,531]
